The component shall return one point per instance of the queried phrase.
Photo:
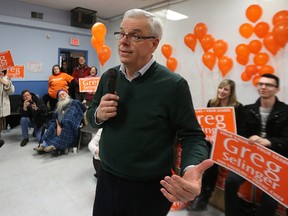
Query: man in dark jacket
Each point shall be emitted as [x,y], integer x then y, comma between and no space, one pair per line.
[81,71]
[266,124]
[33,115]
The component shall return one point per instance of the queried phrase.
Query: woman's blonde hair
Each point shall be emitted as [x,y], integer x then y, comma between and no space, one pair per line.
[232,98]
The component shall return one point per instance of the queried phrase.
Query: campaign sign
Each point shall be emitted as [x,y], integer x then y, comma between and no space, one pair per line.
[256,163]
[6,60]
[88,84]
[16,71]
[216,117]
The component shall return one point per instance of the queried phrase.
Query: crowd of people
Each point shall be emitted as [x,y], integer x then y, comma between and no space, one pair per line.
[266,123]
[138,123]
[57,117]
[144,115]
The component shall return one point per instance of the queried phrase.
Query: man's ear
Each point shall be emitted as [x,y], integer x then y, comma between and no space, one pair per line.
[155,44]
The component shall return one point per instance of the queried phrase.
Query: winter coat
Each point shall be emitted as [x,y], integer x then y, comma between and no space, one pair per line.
[5,108]
[276,125]
[38,116]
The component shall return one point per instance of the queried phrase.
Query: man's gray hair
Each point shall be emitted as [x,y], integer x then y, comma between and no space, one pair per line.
[154,22]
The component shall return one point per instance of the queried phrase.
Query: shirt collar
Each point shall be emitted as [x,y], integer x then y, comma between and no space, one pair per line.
[140,72]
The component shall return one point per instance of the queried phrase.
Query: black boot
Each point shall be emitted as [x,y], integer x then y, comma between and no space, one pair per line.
[1,142]
[208,184]
[198,204]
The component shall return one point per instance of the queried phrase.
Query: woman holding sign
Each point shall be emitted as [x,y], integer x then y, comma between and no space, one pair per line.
[225,97]
[90,95]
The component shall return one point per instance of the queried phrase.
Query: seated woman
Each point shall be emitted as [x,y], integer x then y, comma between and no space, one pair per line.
[62,130]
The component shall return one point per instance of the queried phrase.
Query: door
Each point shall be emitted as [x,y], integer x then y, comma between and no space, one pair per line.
[71,56]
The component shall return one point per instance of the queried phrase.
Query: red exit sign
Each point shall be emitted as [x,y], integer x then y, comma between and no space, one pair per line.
[74,41]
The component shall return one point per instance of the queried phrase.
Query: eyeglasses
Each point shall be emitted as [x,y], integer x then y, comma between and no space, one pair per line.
[269,85]
[131,36]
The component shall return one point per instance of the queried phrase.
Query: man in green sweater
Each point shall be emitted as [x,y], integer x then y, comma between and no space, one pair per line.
[151,107]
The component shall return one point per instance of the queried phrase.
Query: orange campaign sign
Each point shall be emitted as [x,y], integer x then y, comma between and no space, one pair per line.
[6,60]
[212,118]
[216,117]
[16,71]
[259,165]
[88,84]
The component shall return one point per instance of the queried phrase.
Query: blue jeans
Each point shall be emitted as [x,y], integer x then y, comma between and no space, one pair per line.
[26,123]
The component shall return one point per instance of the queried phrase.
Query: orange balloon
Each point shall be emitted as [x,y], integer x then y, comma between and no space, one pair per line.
[256,80]
[243,60]
[220,47]
[200,30]
[280,16]
[261,29]
[207,42]
[97,44]
[225,64]
[255,46]
[261,59]
[280,33]
[99,30]
[209,59]
[167,50]
[252,70]
[246,30]
[190,40]
[245,77]
[104,54]
[94,42]
[242,50]
[253,12]
[171,63]
[266,69]
[270,44]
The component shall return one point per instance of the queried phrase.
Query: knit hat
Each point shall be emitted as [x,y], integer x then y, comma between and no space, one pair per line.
[60,91]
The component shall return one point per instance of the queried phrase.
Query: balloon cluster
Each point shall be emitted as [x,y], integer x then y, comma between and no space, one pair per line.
[171,62]
[272,40]
[208,44]
[98,40]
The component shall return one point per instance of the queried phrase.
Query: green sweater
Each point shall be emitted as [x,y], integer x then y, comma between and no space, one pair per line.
[152,110]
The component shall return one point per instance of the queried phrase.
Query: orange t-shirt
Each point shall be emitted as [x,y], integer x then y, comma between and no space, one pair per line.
[57,82]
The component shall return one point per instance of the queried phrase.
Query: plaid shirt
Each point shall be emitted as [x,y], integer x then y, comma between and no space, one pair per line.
[70,124]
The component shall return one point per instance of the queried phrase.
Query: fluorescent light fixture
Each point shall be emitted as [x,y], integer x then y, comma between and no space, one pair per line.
[170,15]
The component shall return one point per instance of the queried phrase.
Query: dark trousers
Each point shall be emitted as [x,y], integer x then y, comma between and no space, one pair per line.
[52,101]
[97,165]
[122,197]
[233,182]
[209,182]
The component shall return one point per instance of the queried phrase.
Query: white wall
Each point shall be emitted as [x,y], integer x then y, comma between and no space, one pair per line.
[32,40]
[27,40]
[223,18]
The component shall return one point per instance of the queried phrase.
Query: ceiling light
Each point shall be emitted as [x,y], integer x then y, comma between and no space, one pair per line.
[170,15]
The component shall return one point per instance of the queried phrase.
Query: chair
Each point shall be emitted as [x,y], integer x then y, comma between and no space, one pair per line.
[14,118]
[88,130]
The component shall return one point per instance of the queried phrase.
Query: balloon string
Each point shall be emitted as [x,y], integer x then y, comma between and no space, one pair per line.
[201,79]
